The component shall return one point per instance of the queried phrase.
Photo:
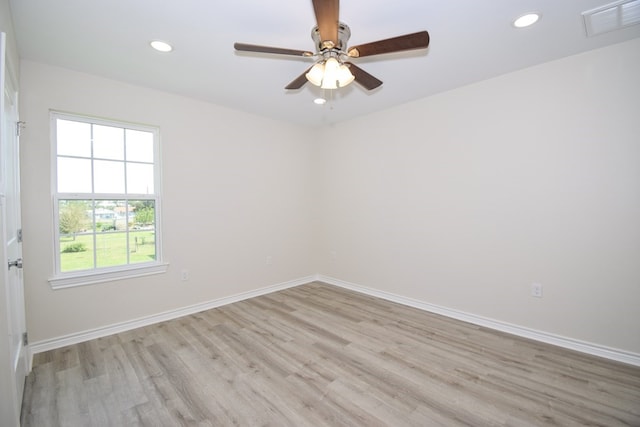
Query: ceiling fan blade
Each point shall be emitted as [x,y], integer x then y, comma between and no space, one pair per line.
[419,40]
[268,49]
[365,79]
[327,16]
[299,81]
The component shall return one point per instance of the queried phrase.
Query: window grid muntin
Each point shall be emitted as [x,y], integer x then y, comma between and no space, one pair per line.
[94,225]
[124,162]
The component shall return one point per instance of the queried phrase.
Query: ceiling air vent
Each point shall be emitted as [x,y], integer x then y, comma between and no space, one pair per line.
[613,16]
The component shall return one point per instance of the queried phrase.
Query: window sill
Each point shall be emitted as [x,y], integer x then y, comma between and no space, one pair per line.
[70,280]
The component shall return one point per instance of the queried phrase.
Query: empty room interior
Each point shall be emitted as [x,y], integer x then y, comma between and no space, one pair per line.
[459,245]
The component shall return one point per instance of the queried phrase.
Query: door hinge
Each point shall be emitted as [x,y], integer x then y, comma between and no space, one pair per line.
[25,339]
[19,126]
[19,235]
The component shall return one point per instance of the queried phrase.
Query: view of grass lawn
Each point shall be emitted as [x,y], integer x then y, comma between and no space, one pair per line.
[111,249]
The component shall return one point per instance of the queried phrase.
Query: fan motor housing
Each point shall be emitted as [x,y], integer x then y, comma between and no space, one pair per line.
[344,33]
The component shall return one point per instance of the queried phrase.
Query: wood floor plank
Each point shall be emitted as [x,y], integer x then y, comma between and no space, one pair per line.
[318,355]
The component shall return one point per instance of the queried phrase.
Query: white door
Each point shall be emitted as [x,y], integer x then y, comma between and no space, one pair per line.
[11,263]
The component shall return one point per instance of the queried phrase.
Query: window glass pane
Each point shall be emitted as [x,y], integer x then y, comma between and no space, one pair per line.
[142,246]
[139,178]
[144,217]
[104,215]
[76,251]
[74,175]
[73,138]
[74,217]
[139,146]
[111,249]
[108,176]
[108,142]
[125,215]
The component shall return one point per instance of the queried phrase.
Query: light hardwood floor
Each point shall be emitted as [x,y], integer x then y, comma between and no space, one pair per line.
[318,355]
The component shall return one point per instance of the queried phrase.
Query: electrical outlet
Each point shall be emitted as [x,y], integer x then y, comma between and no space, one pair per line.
[184,275]
[334,255]
[268,260]
[536,290]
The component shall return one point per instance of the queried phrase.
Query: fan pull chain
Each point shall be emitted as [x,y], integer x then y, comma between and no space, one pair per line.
[331,99]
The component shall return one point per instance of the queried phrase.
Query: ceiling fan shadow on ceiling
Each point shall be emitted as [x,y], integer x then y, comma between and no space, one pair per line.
[333,67]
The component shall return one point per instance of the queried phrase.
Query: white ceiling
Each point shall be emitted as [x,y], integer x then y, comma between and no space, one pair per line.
[471,40]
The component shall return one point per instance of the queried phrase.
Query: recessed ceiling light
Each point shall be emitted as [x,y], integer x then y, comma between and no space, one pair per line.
[161,46]
[526,20]
[320,101]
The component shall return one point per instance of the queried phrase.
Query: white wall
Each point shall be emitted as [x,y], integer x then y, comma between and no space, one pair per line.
[461,199]
[465,198]
[236,189]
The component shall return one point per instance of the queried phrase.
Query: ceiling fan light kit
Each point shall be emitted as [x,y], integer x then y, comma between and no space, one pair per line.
[330,74]
[332,69]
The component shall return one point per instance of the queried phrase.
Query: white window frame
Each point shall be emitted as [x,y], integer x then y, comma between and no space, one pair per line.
[103,274]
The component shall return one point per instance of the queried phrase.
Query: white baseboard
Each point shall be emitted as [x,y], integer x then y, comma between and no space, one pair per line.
[569,343]
[78,337]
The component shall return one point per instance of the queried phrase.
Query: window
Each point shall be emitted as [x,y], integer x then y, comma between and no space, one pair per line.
[106,200]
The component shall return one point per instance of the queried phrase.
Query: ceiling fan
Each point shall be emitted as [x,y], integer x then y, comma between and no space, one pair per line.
[333,68]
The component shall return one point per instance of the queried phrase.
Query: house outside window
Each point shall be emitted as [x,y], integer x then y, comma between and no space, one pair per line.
[106,197]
